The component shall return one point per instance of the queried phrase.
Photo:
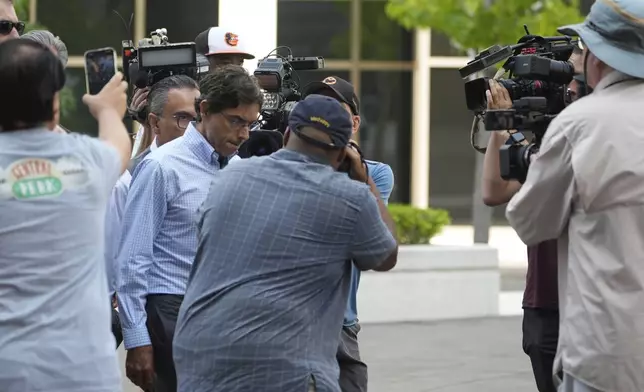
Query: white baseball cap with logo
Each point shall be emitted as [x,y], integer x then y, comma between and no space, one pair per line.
[222,40]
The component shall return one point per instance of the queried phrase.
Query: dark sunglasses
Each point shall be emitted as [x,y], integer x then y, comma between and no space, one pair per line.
[6,26]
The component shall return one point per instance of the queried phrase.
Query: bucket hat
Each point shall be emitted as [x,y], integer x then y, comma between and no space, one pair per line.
[614,32]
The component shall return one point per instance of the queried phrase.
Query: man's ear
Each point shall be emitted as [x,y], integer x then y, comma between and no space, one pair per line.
[203,109]
[153,121]
[356,123]
[287,135]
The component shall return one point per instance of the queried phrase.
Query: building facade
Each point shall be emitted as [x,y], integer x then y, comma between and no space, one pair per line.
[413,106]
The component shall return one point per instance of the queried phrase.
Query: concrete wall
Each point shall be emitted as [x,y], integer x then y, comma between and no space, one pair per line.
[433,282]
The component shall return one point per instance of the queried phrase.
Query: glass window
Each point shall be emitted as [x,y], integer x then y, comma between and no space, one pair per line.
[306,77]
[87,24]
[166,14]
[314,28]
[382,38]
[452,158]
[441,46]
[75,115]
[385,132]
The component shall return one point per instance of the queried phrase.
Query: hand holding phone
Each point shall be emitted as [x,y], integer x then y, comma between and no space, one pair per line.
[100,67]
[111,98]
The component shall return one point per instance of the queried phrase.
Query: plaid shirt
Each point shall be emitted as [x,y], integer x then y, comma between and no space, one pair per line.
[269,286]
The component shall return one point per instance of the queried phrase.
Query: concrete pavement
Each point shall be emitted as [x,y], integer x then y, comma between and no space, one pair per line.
[448,356]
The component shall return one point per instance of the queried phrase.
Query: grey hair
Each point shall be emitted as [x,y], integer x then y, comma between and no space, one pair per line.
[51,41]
[158,96]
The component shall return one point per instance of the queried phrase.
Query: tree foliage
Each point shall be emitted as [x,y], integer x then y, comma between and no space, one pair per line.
[478,24]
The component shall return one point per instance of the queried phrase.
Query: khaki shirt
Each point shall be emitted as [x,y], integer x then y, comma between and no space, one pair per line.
[586,188]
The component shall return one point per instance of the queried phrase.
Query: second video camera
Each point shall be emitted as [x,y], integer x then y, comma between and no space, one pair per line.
[156,58]
[278,79]
[539,75]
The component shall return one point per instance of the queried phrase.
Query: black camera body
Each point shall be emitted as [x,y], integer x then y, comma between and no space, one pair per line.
[527,114]
[278,80]
[156,59]
[539,75]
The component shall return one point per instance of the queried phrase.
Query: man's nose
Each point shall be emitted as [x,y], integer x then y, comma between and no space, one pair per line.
[244,132]
[14,33]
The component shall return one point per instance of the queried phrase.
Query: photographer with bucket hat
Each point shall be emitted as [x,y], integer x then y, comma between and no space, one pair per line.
[586,189]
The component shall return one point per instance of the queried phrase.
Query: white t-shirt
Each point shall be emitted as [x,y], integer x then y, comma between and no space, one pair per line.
[54,308]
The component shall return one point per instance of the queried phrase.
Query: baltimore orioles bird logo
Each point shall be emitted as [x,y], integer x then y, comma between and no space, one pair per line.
[231,39]
[329,80]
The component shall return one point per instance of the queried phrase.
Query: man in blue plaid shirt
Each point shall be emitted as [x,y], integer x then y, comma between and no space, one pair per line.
[269,285]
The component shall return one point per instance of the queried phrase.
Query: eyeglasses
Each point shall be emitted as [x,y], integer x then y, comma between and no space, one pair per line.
[183,120]
[6,26]
[237,123]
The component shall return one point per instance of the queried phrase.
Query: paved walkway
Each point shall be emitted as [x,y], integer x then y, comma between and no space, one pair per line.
[448,356]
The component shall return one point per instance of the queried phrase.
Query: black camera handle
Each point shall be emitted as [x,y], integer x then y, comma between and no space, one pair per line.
[355,146]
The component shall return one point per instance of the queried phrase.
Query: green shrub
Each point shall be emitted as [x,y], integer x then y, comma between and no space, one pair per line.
[417,225]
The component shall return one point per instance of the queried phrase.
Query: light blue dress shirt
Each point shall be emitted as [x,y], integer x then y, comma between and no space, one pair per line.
[383,178]
[113,221]
[159,232]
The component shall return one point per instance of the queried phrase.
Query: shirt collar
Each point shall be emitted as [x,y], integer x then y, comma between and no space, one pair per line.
[612,78]
[291,155]
[199,145]
[153,145]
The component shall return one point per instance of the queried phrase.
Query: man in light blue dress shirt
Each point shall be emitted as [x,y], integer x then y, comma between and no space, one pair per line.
[171,109]
[159,233]
[353,372]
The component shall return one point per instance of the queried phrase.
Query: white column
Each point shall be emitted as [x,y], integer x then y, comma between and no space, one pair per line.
[256,20]
[420,121]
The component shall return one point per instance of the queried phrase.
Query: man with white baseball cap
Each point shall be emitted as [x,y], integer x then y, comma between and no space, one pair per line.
[222,46]
[586,188]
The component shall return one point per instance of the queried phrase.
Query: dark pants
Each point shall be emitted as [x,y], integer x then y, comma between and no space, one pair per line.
[162,311]
[116,328]
[353,372]
[540,335]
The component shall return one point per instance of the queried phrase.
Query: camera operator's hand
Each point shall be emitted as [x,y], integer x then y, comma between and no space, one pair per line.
[139,99]
[111,99]
[497,96]
[357,169]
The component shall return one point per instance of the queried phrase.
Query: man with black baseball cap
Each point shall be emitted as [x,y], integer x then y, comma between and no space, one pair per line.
[353,372]
[273,283]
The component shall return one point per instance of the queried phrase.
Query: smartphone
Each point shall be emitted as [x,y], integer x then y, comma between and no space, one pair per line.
[100,67]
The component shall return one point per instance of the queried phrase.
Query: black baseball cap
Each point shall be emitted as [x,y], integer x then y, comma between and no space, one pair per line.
[341,89]
[201,42]
[325,114]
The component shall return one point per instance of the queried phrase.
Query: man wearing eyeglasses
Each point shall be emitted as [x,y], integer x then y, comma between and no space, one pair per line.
[172,108]
[159,233]
[10,27]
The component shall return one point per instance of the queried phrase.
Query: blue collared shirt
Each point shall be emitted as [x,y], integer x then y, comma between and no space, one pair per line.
[159,232]
[267,295]
[383,178]
[113,221]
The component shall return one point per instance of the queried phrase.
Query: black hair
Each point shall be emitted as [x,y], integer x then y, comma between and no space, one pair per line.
[30,76]
[227,87]
[158,96]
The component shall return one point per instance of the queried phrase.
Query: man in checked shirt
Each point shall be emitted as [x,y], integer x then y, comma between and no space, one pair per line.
[159,235]
[270,281]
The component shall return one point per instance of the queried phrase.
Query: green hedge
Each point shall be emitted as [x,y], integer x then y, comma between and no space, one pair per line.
[417,225]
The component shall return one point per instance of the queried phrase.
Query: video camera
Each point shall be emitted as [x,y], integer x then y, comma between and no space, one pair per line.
[277,77]
[539,75]
[156,59]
